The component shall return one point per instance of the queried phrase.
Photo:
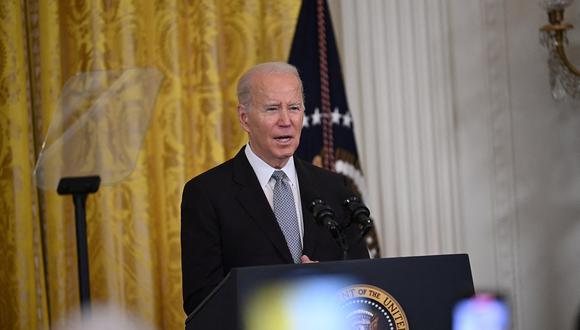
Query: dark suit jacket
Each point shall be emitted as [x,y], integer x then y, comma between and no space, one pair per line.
[226,222]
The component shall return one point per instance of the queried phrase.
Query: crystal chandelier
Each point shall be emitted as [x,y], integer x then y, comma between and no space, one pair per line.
[564,77]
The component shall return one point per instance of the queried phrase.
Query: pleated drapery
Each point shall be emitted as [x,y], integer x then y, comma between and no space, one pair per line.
[201,48]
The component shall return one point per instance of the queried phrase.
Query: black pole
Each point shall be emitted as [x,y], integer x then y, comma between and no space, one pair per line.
[80,187]
[82,251]
[342,242]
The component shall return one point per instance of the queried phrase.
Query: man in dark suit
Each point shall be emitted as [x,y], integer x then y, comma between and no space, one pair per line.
[254,208]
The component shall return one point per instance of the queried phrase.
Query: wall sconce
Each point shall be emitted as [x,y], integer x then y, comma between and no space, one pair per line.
[564,77]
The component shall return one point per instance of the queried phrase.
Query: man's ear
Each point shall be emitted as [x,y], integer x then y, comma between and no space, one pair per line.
[243,117]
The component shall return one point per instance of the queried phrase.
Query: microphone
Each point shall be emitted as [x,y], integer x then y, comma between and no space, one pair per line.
[359,214]
[324,216]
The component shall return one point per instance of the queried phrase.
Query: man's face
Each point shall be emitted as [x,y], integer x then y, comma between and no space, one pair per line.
[274,120]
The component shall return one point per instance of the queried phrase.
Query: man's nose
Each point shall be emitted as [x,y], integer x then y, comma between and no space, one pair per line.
[284,116]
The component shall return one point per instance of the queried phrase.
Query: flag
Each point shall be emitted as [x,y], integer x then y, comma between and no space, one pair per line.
[328,133]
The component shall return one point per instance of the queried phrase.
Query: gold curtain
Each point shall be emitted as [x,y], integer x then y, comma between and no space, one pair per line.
[201,47]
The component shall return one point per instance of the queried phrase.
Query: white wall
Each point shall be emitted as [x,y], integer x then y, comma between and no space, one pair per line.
[511,167]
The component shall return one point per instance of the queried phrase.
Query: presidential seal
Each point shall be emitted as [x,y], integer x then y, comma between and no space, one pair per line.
[369,307]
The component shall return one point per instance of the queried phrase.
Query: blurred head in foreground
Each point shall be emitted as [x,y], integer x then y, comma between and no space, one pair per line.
[103,317]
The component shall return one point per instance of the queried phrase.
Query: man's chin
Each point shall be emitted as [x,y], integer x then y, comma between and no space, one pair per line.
[286,152]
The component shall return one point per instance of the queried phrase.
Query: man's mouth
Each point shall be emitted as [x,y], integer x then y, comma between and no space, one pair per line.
[283,138]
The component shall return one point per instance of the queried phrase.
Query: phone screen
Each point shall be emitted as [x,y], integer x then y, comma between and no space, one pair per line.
[482,311]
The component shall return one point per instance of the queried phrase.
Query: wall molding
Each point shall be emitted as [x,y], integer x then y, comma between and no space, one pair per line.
[504,185]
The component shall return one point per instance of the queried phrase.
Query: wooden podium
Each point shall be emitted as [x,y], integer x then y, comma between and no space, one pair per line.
[394,293]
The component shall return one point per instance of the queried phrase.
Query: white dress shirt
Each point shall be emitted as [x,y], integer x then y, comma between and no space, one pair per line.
[264,173]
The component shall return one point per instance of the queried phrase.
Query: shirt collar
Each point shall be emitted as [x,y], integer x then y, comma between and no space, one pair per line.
[264,171]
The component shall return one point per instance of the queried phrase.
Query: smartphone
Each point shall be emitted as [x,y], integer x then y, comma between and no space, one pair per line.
[481,311]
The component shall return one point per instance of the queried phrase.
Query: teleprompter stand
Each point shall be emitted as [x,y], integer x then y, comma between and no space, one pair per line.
[79,188]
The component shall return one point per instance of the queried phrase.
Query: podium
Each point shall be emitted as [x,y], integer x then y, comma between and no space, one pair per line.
[394,293]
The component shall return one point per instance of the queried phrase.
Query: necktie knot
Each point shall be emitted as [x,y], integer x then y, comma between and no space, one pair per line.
[278,175]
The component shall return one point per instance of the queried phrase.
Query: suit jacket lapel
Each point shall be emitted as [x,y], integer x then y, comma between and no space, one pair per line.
[252,199]
[307,194]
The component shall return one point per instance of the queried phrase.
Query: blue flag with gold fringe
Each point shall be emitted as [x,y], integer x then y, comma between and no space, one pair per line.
[328,133]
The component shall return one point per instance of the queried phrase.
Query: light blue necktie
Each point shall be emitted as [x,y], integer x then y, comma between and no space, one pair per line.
[285,211]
